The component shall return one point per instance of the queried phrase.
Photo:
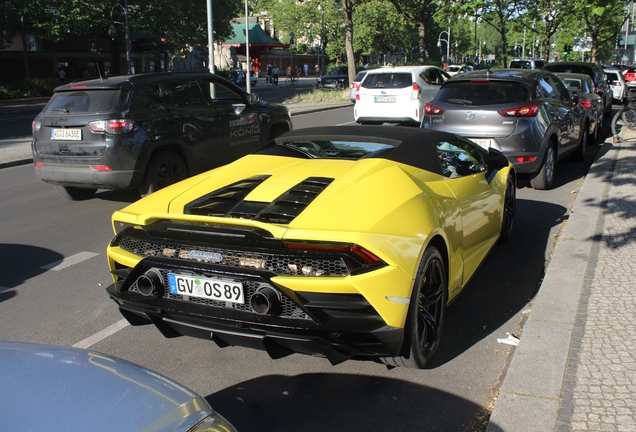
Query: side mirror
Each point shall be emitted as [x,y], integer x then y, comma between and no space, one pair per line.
[575,97]
[496,159]
[238,108]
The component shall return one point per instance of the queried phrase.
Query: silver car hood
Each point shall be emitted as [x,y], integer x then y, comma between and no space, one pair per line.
[46,387]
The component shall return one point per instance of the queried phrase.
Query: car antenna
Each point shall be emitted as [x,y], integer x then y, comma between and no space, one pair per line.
[99,72]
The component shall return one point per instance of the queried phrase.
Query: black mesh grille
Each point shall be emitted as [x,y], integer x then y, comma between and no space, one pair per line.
[280,264]
[229,201]
[288,309]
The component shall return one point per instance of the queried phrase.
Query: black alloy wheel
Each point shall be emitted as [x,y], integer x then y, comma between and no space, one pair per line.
[427,310]
[510,202]
[163,170]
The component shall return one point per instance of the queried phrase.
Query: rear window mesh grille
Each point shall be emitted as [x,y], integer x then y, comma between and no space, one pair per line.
[229,201]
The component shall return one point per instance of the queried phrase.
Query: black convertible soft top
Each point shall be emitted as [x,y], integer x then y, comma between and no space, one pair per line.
[411,146]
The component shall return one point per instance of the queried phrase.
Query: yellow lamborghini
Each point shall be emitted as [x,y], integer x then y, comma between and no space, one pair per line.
[344,241]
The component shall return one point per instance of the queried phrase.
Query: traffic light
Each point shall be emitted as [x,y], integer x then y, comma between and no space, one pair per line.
[566,49]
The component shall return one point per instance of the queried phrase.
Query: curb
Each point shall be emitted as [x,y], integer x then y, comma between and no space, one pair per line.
[530,395]
[16,163]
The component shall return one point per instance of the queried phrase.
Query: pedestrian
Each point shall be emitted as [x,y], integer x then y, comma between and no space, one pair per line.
[62,74]
[269,74]
[317,70]
[275,73]
[306,68]
[288,71]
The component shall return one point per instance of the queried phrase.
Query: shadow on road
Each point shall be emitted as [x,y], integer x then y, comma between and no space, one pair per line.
[504,284]
[338,402]
[19,263]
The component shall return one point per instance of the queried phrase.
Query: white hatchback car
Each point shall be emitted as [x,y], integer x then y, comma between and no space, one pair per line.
[397,95]
[617,84]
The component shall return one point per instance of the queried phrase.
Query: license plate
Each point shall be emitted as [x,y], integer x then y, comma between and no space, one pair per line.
[66,134]
[485,143]
[207,288]
[384,99]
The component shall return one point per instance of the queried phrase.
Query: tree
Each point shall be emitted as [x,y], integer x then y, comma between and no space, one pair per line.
[420,13]
[380,28]
[603,20]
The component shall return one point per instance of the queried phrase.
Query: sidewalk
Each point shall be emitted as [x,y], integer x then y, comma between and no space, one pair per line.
[575,366]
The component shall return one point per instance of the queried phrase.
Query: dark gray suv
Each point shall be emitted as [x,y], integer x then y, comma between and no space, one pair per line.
[147,131]
[527,114]
[594,71]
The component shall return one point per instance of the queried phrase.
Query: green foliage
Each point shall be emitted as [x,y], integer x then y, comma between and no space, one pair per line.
[34,87]
[158,25]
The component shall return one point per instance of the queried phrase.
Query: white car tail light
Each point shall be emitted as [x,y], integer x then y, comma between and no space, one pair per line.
[417,91]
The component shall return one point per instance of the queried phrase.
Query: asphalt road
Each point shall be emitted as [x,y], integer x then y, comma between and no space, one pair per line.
[53,276]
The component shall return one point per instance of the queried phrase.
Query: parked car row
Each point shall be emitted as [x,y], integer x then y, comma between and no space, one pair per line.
[536,117]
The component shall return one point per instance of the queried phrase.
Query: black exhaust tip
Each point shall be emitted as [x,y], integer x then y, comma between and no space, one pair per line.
[265,301]
[150,283]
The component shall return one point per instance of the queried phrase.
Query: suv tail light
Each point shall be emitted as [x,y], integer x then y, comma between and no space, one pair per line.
[433,110]
[522,111]
[120,126]
[417,92]
[36,126]
[586,103]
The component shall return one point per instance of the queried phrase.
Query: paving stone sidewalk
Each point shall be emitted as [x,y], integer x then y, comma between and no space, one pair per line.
[575,366]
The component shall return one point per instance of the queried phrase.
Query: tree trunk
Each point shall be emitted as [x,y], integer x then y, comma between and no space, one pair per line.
[351,60]
[27,73]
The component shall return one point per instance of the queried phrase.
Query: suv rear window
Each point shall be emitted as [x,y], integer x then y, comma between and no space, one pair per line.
[93,101]
[520,64]
[482,93]
[383,80]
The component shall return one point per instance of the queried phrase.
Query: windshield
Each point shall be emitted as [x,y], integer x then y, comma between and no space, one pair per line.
[483,93]
[87,101]
[328,149]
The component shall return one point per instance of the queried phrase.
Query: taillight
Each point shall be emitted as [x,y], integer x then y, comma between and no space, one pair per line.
[433,110]
[522,111]
[102,168]
[120,126]
[36,126]
[417,92]
[358,259]
[586,103]
[358,93]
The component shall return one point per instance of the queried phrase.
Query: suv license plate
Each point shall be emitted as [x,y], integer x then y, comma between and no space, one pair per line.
[384,99]
[207,288]
[66,134]
[485,143]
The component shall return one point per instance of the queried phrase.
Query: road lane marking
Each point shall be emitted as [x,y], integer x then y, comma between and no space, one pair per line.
[101,335]
[347,123]
[69,261]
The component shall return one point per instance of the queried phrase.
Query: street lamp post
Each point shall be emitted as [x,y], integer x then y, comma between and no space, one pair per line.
[447,40]
[523,46]
[322,39]
[112,31]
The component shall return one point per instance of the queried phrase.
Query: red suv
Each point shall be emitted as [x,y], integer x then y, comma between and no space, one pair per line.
[629,74]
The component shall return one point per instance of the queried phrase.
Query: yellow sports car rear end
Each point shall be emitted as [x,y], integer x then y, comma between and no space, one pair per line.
[339,242]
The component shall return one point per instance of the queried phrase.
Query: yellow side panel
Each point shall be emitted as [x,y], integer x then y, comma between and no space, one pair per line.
[374,286]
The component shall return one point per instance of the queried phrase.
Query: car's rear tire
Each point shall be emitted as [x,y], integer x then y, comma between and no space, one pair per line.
[545,177]
[163,170]
[427,310]
[510,203]
[579,153]
[75,193]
